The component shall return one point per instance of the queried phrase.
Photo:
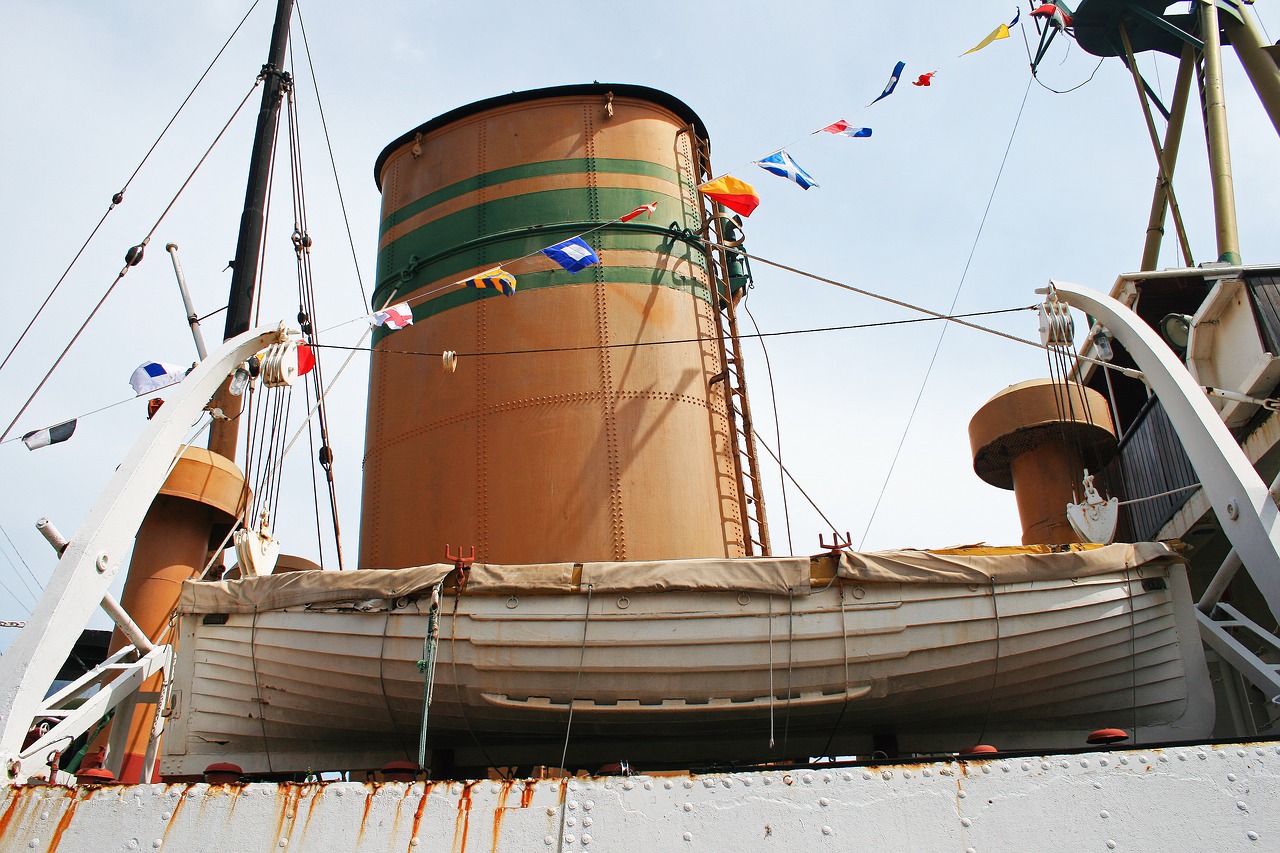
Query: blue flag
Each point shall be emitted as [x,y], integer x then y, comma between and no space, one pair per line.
[574,255]
[893,81]
[783,166]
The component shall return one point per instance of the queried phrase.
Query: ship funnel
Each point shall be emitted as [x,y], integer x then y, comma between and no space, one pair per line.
[584,418]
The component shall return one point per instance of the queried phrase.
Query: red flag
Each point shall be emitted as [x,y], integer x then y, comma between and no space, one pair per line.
[925,79]
[306,359]
[1055,14]
[646,209]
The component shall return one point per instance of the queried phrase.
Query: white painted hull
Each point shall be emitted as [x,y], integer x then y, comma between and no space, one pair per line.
[1189,798]
[694,677]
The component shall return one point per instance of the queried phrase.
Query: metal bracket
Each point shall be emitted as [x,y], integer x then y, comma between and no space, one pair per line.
[836,545]
[1166,25]
[461,564]
[459,561]
[79,706]
[1215,630]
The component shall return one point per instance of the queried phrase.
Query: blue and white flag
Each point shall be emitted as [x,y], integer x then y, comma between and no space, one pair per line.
[574,255]
[154,375]
[783,166]
[893,81]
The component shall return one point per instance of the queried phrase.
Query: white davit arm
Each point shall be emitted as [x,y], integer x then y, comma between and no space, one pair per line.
[93,557]
[1240,499]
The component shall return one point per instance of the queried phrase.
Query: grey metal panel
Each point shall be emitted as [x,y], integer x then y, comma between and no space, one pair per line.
[1150,461]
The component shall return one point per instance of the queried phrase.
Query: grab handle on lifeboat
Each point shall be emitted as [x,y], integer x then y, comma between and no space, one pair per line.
[634,706]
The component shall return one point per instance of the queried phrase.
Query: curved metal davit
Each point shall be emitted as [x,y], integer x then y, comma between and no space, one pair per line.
[569,432]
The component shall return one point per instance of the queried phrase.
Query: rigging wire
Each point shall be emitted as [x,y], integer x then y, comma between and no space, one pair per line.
[14,596]
[793,480]
[85,415]
[118,198]
[777,426]
[21,559]
[35,596]
[307,312]
[359,347]
[131,260]
[995,663]
[333,163]
[315,488]
[954,299]
[577,684]
[211,314]
[1073,389]
[936,315]
[1027,45]
[1087,81]
[382,678]
[955,318]
[272,419]
[257,420]
[1262,24]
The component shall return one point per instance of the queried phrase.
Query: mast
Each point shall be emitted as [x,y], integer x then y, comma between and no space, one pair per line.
[205,492]
[244,275]
[1213,100]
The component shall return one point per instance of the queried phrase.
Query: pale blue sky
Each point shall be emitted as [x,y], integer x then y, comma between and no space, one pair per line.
[87,86]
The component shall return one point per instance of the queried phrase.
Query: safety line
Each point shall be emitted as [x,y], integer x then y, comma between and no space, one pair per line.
[941,335]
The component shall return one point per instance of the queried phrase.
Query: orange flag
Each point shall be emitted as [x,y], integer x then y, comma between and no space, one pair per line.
[738,196]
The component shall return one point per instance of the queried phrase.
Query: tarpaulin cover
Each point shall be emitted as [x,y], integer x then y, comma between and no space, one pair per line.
[769,575]
[1001,565]
[293,589]
[776,575]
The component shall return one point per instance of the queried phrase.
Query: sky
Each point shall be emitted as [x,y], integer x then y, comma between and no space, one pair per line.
[87,88]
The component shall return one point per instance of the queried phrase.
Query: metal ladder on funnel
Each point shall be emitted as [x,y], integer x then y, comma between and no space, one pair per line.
[718,229]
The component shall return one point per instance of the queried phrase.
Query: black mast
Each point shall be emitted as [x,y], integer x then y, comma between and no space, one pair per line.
[224,434]
[244,273]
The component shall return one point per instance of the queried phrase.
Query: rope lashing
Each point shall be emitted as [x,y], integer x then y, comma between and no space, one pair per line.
[427,666]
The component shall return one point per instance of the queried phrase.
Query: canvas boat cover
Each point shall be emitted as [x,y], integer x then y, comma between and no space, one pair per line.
[986,565]
[768,575]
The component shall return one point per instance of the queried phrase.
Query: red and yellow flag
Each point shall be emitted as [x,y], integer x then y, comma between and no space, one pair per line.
[738,196]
